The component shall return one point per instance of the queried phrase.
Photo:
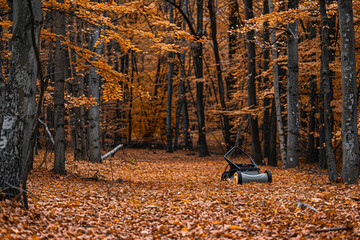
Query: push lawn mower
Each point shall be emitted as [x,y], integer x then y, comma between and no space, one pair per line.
[240,173]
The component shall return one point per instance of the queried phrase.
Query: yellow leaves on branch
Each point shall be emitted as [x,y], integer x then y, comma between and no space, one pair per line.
[120,23]
[163,48]
[72,101]
[278,18]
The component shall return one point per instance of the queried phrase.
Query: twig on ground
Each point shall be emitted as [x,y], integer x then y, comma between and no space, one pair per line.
[22,190]
[332,229]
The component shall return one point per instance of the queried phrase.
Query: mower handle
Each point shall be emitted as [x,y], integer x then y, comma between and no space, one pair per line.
[232,163]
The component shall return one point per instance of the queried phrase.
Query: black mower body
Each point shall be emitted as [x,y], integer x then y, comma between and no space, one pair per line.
[240,173]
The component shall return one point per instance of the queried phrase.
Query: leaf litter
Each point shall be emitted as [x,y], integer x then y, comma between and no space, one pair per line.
[150,194]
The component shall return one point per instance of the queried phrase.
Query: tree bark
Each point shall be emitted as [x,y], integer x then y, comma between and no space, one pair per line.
[266,56]
[182,102]
[233,25]
[94,111]
[199,75]
[225,118]
[272,160]
[311,153]
[17,136]
[169,144]
[133,63]
[292,159]
[59,110]
[2,88]
[325,59]
[350,170]
[274,53]
[254,129]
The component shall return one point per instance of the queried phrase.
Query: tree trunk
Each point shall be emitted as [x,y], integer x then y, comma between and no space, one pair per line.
[350,170]
[272,160]
[266,56]
[311,152]
[169,145]
[225,118]
[199,74]
[233,25]
[325,58]
[274,53]
[292,159]
[17,136]
[133,63]
[182,102]
[254,129]
[59,110]
[2,88]
[94,111]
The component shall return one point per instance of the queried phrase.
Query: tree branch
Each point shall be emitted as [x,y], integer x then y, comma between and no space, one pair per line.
[187,20]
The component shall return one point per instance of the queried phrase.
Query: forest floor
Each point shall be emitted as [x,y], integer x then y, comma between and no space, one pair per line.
[150,194]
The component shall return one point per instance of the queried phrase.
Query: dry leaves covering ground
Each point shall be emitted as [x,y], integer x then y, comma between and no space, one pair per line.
[150,194]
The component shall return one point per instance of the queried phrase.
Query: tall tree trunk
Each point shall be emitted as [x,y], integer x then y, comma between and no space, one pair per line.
[182,102]
[2,88]
[254,129]
[292,159]
[94,111]
[266,57]
[274,53]
[350,170]
[199,74]
[59,109]
[82,132]
[17,136]
[325,58]
[233,25]
[225,118]
[311,153]
[169,145]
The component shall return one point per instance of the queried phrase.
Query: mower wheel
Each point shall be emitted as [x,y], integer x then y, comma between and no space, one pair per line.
[268,173]
[237,177]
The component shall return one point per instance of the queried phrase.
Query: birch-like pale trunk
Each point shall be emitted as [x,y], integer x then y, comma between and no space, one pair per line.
[274,53]
[350,170]
[17,136]
[94,111]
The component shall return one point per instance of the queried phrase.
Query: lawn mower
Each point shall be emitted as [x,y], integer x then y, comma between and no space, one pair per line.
[240,173]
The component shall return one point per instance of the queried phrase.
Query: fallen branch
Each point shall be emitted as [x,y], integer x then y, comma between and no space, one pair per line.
[332,229]
[47,130]
[112,152]
[94,177]
[300,205]
[23,190]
